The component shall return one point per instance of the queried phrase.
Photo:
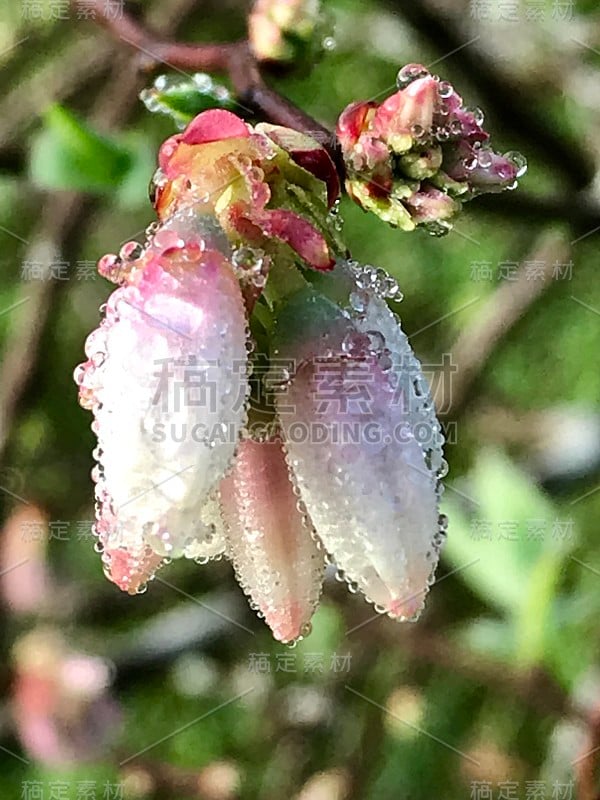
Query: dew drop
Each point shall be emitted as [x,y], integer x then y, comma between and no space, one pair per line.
[79,374]
[376,341]
[438,227]
[519,160]
[349,342]
[385,362]
[445,89]
[203,82]
[358,301]
[410,73]
[485,159]
[478,115]
[131,251]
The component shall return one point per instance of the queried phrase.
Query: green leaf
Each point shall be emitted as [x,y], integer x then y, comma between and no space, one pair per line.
[509,568]
[182,98]
[132,191]
[69,154]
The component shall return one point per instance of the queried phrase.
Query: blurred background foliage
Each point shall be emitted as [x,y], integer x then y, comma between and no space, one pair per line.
[498,680]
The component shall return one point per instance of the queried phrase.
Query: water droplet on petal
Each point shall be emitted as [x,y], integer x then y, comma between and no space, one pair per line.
[410,73]
[445,89]
[478,115]
[485,159]
[519,160]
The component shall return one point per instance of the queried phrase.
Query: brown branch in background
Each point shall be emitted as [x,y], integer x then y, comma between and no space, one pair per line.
[60,219]
[60,75]
[534,688]
[234,59]
[211,57]
[498,314]
[63,223]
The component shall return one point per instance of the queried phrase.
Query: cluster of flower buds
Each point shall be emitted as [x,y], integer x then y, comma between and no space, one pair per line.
[415,157]
[287,31]
[244,265]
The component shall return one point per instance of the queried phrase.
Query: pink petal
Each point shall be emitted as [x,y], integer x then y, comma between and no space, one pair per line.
[300,234]
[277,560]
[308,154]
[352,123]
[408,107]
[214,126]
[130,570]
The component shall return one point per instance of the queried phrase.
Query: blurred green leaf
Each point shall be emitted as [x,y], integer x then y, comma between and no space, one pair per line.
[69,154]
[132,191]
[515,569]
[491,637]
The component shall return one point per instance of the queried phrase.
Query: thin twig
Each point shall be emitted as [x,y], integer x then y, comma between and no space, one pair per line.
[497,316]
[60,218]
[63,217]
[232,58]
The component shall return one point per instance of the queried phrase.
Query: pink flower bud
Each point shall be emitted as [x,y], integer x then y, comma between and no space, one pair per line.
[483,170]
[281,30]
[270,539]
[236,173]
[431,205]
[407,110]
[420,133]
[364,444]
[166,380]
[353,122]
